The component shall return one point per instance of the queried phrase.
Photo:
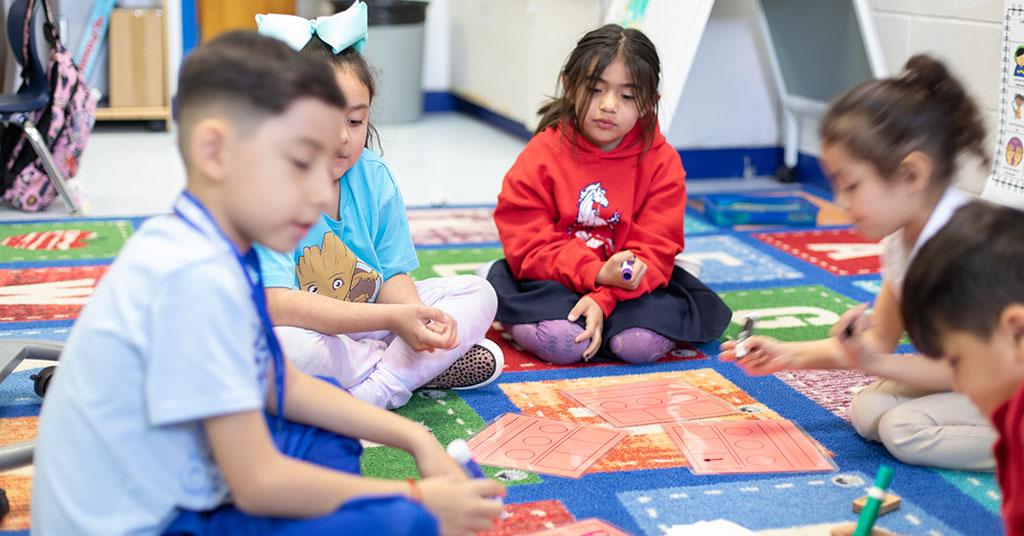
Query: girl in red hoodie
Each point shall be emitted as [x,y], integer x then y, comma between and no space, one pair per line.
[591,219]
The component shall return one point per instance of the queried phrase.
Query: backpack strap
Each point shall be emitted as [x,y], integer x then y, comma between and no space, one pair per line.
[50,26]
[27,30]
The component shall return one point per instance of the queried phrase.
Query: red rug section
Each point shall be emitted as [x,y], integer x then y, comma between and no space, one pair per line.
[840,251]
[530,517]
[517,359]
[57,293]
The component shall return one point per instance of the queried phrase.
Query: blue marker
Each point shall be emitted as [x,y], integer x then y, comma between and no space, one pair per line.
[459,450]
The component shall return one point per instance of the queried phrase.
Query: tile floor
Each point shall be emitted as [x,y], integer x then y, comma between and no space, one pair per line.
[445,158]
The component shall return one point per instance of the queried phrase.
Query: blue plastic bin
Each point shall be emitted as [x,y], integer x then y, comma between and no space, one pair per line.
[727,210]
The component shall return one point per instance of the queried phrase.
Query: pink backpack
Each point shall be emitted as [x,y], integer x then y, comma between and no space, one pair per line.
[65,124]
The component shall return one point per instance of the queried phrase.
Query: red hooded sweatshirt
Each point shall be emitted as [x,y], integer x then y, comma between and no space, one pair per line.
[561,213]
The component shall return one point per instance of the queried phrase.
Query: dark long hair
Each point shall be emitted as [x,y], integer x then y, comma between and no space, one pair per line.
[593,53]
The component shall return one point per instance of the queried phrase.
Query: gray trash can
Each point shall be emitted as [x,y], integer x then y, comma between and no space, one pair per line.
[395,50]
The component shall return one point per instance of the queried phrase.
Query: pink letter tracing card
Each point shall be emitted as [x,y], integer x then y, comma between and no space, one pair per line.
[747,447]
[650,402]
[587,527]
[543,445]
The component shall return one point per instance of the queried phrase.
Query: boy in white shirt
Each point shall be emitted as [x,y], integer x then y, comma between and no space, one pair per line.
[155,422]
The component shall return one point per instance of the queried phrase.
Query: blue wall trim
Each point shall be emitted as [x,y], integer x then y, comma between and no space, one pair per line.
[443,101]
[699,163]
[189,27]
[729,162]
[438,101]
[808,171]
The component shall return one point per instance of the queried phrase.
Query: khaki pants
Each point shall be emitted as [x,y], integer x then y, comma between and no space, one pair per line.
[920,427]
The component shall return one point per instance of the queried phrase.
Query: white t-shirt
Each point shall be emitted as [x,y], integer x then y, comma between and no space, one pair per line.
[171,336]
[895,255]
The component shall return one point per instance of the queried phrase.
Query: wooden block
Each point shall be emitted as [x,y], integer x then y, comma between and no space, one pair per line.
[891,503]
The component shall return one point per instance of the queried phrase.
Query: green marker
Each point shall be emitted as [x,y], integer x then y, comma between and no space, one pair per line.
[876,495]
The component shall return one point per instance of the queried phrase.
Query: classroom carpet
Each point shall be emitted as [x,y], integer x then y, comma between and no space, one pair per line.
[799,280]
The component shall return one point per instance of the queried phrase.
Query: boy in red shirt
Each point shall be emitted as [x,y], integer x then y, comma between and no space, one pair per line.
[964,303]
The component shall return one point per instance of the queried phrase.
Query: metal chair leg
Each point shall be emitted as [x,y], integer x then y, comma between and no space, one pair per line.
[14,351]
[17,455]
[56,177]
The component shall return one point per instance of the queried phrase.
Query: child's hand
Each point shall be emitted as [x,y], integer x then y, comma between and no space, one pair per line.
[849,528]
[849,331]
[433,460]
[764,355]
[425,328]
[611,273]
[463,506]
[589,309]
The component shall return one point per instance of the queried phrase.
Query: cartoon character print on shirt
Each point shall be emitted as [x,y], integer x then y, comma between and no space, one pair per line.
[333,270]
[595,231]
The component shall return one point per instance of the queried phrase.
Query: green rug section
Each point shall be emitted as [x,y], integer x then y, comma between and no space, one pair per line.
[62,240]
[449,418]
[789,313]
[452,261]
[982,487]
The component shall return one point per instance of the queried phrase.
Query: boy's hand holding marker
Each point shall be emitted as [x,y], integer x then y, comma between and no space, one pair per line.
[458,449]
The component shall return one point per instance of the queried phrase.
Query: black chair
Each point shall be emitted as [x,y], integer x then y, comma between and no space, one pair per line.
[34,95]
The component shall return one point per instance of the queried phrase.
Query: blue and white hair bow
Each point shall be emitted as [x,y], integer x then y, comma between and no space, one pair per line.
[340,31]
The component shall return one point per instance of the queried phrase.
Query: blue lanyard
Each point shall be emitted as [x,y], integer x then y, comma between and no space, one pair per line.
[250,264]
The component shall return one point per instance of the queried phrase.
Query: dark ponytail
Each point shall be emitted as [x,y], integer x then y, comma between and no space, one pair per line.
[924,109]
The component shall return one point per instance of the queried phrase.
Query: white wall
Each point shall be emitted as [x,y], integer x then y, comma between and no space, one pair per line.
[730,98]
[437,72]
[505,54]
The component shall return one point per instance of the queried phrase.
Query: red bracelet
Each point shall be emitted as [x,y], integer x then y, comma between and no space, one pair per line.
[414,491]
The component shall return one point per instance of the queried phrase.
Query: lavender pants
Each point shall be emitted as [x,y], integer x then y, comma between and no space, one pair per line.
[553,341]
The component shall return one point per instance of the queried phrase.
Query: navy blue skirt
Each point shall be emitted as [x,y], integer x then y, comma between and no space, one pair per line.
[684,310]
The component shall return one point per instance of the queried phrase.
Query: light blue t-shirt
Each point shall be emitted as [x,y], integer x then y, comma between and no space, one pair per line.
[350,259]
[169,337]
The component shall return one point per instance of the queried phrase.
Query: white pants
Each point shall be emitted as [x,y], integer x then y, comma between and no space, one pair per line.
[378,367]
[925,428]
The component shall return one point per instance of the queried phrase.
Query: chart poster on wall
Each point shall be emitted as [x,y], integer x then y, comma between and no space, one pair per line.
[1006,183]
[675,27]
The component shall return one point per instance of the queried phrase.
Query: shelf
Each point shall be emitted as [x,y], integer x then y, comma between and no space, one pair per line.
[130,113]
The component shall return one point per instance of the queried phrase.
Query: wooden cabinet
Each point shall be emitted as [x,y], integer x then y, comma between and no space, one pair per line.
[151,112]
[219,16]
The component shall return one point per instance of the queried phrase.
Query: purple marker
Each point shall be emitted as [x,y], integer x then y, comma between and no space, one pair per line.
[627,270]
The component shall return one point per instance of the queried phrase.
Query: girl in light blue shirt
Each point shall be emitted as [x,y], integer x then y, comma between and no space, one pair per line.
[361,252]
